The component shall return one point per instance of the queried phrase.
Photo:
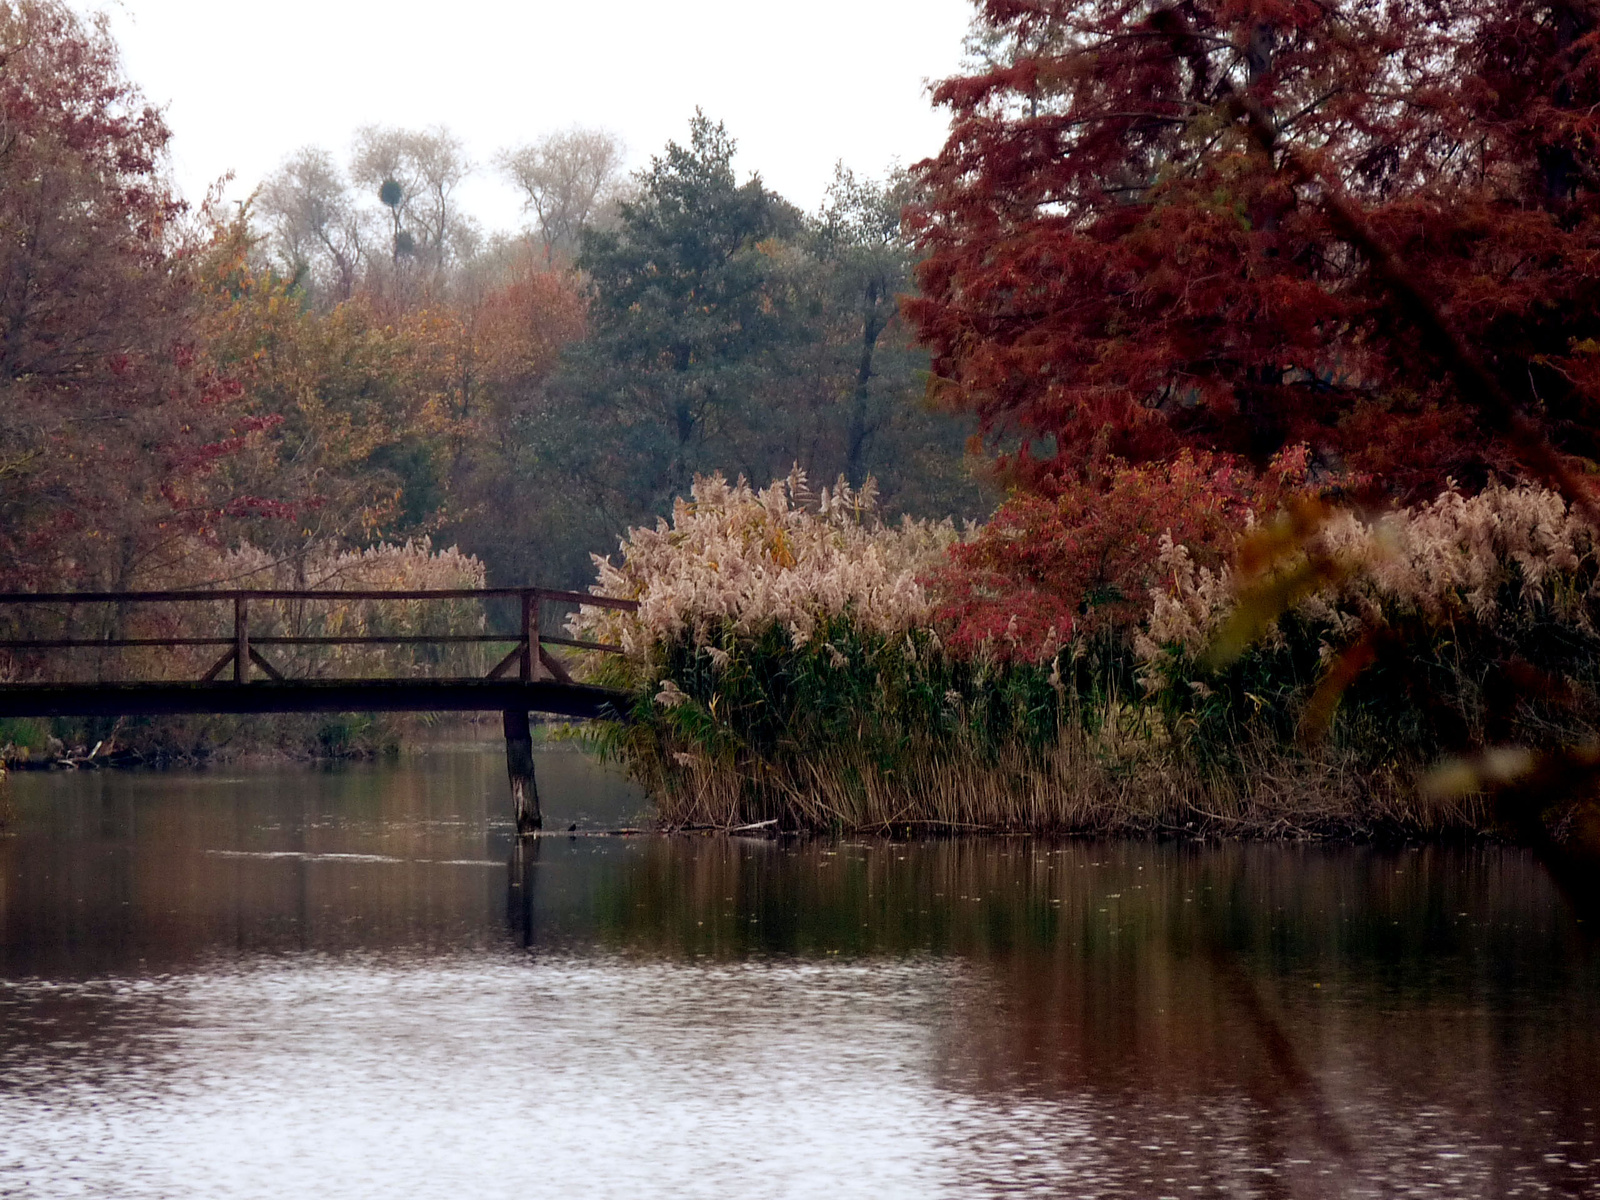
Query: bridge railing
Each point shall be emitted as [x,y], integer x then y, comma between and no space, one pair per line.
[287,634]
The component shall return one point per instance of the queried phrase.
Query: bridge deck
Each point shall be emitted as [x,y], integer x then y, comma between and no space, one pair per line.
[575,700]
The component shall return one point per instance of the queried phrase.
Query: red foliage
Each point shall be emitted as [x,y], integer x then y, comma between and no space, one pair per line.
[1082,560]
[107,442]
[1117,267]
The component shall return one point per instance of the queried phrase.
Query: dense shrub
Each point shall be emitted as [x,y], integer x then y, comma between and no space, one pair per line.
[1459,623]
[789,662]
[774,622]
[794,659]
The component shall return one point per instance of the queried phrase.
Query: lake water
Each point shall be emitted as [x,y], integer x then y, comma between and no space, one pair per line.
[348,984]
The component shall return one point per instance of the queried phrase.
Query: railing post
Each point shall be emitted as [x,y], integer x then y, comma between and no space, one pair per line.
[530,635]
[241,640]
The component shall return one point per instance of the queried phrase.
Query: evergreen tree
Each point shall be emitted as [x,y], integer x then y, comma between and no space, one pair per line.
[688,320]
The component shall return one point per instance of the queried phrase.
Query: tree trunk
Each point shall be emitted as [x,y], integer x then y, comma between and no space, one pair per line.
[872,326]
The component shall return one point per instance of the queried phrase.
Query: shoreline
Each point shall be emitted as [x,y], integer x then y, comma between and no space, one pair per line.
[1268,817]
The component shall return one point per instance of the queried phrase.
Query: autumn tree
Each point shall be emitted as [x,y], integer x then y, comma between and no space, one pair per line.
[316,232]
[413,401]
[416,174]
[714,327]
[1241,226]
[513,501]
[349,426]
[111,426]
[383,421]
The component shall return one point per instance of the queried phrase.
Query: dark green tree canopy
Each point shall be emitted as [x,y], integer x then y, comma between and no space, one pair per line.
[729,332]
[682,282]
[688,317]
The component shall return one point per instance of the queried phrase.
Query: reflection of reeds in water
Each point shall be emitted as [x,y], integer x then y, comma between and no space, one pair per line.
[1288,906]
[1307,1000]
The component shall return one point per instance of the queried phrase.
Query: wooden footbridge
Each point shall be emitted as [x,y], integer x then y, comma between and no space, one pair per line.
[244,679]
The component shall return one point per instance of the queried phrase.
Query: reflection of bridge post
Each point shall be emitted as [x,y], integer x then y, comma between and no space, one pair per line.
[519,766]
[519,886]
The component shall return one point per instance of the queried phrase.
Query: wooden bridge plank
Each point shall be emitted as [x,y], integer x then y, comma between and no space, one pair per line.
[180,597]
[398,639]
[320,695]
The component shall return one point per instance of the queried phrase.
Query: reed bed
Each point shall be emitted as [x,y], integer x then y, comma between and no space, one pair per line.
[787,667]
[1082,783]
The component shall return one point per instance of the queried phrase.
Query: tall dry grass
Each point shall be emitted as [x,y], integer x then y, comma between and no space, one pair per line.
[1083,783]
[410,566]
[787,666]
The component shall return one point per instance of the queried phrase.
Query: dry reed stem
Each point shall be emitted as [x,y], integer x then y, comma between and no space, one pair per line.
[1076,786]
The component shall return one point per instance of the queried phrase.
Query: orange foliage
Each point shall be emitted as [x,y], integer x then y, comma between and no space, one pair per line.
[375,413]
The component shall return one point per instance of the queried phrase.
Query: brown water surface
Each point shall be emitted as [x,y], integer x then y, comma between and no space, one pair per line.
[298,983]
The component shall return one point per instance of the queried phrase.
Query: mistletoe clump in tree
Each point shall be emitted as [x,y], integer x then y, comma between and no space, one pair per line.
[1239,226]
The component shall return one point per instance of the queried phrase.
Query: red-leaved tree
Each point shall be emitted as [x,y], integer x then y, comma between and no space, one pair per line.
[111,424]
[1207,224]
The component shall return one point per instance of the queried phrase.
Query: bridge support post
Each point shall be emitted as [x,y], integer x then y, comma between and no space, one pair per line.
[519,767]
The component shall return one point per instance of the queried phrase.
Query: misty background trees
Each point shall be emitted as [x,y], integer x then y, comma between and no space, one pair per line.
[530,394]
[570,181]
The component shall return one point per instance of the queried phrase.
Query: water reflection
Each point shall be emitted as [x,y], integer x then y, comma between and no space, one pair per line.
[356,984]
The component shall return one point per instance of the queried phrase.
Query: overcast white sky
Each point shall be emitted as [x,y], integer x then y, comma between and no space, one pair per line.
[799,85]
